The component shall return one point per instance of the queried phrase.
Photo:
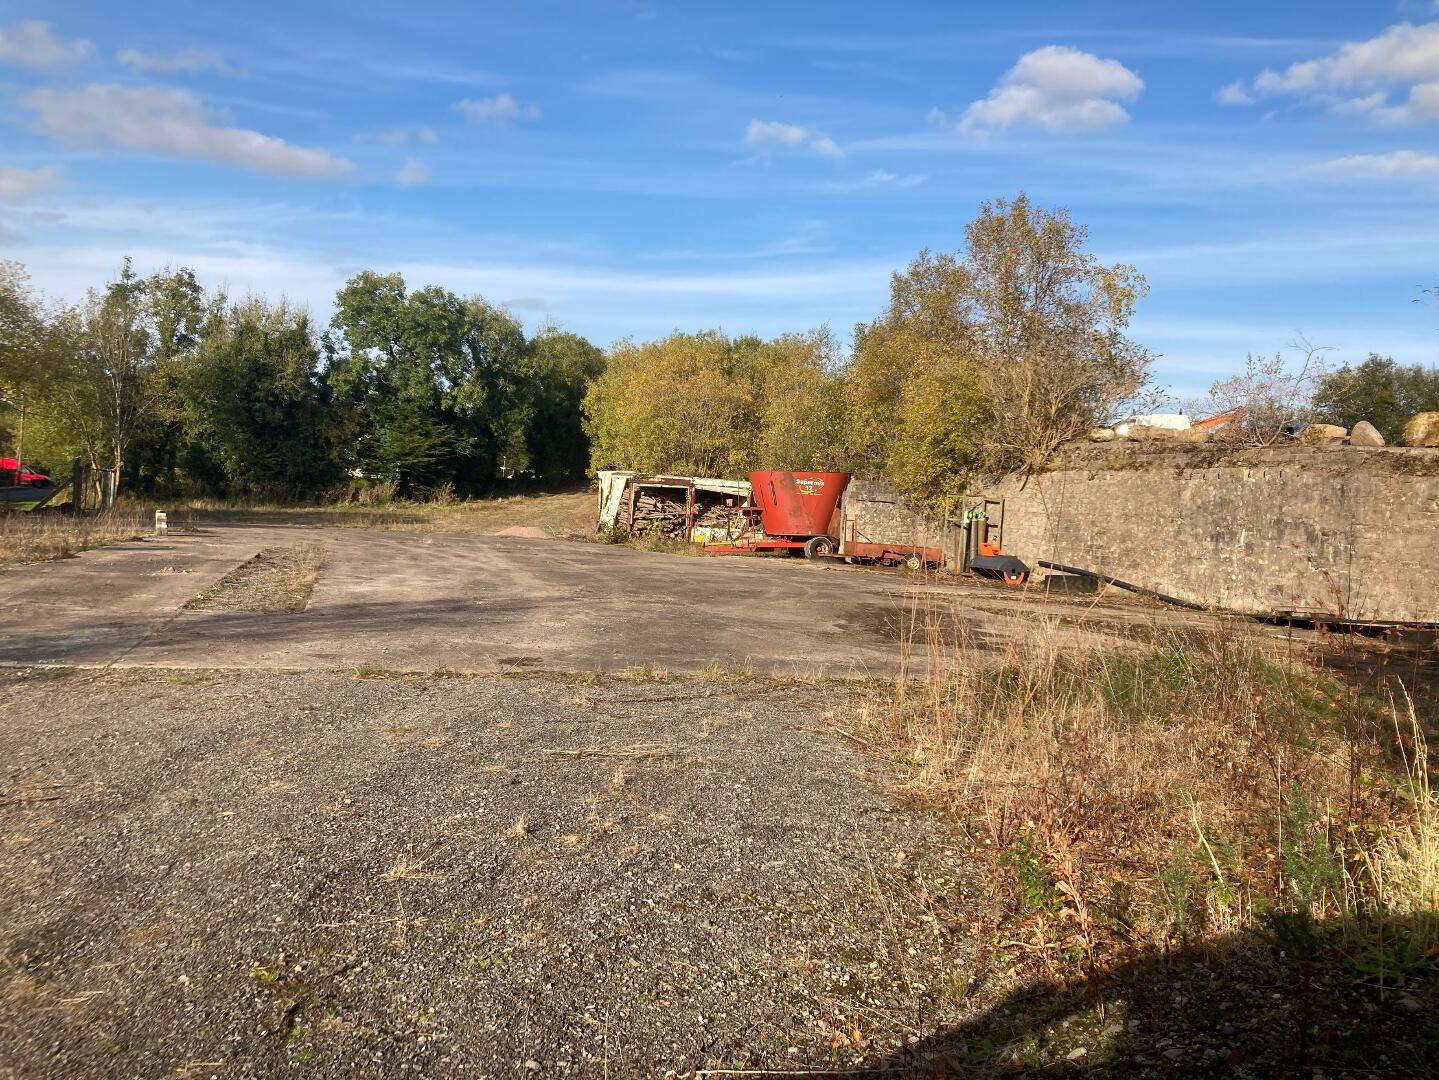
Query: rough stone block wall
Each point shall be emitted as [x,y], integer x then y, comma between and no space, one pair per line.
[1343,532]
[874,513]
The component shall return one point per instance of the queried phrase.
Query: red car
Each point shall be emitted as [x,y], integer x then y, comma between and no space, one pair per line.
[17,482]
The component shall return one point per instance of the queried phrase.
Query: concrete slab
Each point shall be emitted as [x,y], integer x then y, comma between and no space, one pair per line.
[425,602]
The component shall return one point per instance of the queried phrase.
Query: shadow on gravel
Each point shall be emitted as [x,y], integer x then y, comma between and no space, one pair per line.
[1296,1000]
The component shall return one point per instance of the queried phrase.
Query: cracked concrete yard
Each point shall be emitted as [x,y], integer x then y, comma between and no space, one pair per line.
[426,602]
[237,843]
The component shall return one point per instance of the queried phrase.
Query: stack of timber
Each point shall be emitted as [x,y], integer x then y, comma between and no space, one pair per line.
[659,512]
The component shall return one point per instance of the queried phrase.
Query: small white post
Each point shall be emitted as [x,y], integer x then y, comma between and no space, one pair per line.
[162,523]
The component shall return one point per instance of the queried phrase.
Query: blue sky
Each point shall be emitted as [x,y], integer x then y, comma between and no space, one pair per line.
[626,167]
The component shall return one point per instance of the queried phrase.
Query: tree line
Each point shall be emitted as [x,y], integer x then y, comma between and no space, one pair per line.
[983,360]
[186,392]
[987,358]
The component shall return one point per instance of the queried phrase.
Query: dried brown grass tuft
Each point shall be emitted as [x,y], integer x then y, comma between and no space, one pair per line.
[1186,788]
[406,868]
[638,750]
[34,537]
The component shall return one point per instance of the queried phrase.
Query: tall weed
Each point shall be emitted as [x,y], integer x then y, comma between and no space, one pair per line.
[1191,786]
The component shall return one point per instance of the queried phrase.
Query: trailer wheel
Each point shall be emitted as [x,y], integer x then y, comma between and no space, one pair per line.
[914,562]
[819,547]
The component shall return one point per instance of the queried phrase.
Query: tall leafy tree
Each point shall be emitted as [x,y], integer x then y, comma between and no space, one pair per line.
[1379,390]
[26,355]
[563,366]
[251,399]
[708,404]
[992,356]
[115,366]
[438,389]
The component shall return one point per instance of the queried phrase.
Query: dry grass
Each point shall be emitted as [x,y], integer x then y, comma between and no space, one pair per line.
[406,868]
[1174,793]
[562,514]
[27,537]
[638,750]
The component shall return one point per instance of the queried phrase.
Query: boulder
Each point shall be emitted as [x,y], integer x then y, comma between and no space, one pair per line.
[1365,434]
[1422,430]
[1101,434]
[1321,434]
[1148,433]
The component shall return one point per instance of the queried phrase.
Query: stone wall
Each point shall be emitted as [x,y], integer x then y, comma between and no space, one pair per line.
[1344,532]
[874,513]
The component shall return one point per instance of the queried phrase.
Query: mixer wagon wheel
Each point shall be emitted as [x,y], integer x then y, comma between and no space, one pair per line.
[819,547]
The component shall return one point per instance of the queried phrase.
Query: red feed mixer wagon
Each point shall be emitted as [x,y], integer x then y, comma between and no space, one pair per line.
[804,512]
[792,511]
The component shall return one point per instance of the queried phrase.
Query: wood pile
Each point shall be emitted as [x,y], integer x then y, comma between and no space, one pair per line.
[662,510]
[657,510]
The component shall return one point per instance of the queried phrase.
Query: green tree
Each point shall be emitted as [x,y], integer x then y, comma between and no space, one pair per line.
[564,365]
[1379,390]
[710,405]
[114,364]
[993,356]
[252,401]
[26,355]
[437,389]
[670,406]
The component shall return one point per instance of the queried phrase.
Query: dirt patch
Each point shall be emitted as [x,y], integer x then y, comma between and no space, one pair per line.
[276,580]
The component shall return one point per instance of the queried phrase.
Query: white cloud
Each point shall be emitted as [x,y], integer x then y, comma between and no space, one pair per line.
[1056,89]
[1397,163]
[498,110]
[1360,77]
[885,178]
[402,135]
[17,184]
[1234,94]
[33,44]
[765,133]
[412,172]
[188,61]
[170,122]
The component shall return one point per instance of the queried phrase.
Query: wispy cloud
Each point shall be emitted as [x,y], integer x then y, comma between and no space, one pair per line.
[1360,78]
[170,122]
[1055,89]
[885,178]
[772,133]
[185,61]
[1395,164]
[18,184]
[412,172]
[499,111]
[877,179]
[401,135]
[34,44]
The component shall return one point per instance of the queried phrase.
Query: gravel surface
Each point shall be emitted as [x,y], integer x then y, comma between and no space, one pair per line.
[208,874]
